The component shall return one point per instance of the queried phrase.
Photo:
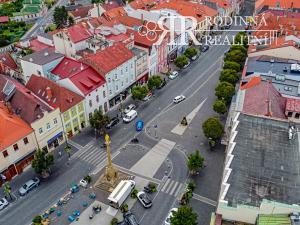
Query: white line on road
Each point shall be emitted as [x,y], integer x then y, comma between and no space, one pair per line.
[204,199]
[174,188]
[165,185]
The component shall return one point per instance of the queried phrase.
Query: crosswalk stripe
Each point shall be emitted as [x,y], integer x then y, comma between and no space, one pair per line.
[178,189]
[92,154]
[95,157]
[85,151]
[165,185]
[98,160]
[174,187]
[170,186]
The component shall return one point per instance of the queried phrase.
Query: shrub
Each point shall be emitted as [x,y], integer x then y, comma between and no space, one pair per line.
[133,194]
[124,208]
[88,178]
[114,221]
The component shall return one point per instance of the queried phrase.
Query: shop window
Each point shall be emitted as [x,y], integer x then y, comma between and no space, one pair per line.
[26,141]
[290,114]
[41,130]
[297,115]
[16,147]
[55,121]
[5,153]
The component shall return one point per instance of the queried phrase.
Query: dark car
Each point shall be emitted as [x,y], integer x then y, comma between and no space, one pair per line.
[113,122]
[163,83]
[130,218]
[204,48]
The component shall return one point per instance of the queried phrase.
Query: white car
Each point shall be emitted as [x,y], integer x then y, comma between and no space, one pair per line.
[178,99]
[3,203]
[174,75]
[168,219]
[129,108]
[144,199]
[187,65]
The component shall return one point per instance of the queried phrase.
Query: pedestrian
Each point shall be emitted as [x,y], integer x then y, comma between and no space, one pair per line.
[59,153]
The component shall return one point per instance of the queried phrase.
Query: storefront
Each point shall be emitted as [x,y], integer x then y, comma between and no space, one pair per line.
[54,141]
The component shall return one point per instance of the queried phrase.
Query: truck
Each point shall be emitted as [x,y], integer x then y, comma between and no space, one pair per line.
[120,193]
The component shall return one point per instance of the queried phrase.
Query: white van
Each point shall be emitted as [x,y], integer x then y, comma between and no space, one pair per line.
[120,193]
[130,116]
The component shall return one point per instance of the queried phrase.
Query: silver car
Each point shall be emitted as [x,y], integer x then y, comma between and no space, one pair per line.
[3,203]
[129,108]
[29,185]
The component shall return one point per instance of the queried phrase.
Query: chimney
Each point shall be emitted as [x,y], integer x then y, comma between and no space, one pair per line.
[48,93]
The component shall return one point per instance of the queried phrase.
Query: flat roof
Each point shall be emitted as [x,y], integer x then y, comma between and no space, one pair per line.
[265,163]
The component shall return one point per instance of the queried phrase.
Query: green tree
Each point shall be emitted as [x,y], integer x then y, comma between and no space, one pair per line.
[190,52]
[213,128]
[50,27]
[97,1]
[225,91]
[70,21]
[239,47]
[181,61]
[60,17]
[195,162]
[229,76]
[154,82]
[184,216]
[7,190]
[139,92]
[220,106]
[42,162]
[236,56]
[68,150]
[99,120]
[241,39]
[232,66]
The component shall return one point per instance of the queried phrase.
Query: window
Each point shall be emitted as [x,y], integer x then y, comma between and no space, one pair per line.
[104,94]
[122,84]
[39,72]
[131,65]
[121,71]
[90,103]
[297,115]
[108,80]
[16,147]
[48,126]
[41,130]
[97,98]
[25,140]
[126,79]
[290,114]
[90,115]
[110,92]
[116,76]
[5,153]
[55,121]
[117,88]
[126,69]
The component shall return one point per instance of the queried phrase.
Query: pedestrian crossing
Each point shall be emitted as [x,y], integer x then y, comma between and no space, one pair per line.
[172,187]
[91,154]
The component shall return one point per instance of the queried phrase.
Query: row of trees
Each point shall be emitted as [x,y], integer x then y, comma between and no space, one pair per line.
[183,60]
[230,75]
[140,92]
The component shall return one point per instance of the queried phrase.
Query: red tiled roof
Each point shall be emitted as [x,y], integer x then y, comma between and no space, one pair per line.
[78,32]
[110,58]
[113,13]
[293,105]
[83,76]
[37,46]
[8,61]
[4,19]
[263,99]
[58,97]
[283,4]
[184,8]
[81,12]
[143,4]
[129,21]
[29,106]
[12,128]
[110,5]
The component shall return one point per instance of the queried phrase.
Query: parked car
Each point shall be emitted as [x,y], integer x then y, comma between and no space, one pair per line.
[130,219]
[129,108]
[195,57]
[173,75]
[113,122]
[204,48]
[130,116]
[3,203]
[187,65]
[29,185]
[178,99]
[139,125]
[163,83]
[144,199]
[148,96]
[168,219]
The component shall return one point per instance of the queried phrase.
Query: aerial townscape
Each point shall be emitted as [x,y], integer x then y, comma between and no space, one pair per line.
[150,112]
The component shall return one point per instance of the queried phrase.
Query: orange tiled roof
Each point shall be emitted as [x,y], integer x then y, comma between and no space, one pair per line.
[142,4]
[12,128]
[184,8]
[284,4]
[113,13]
